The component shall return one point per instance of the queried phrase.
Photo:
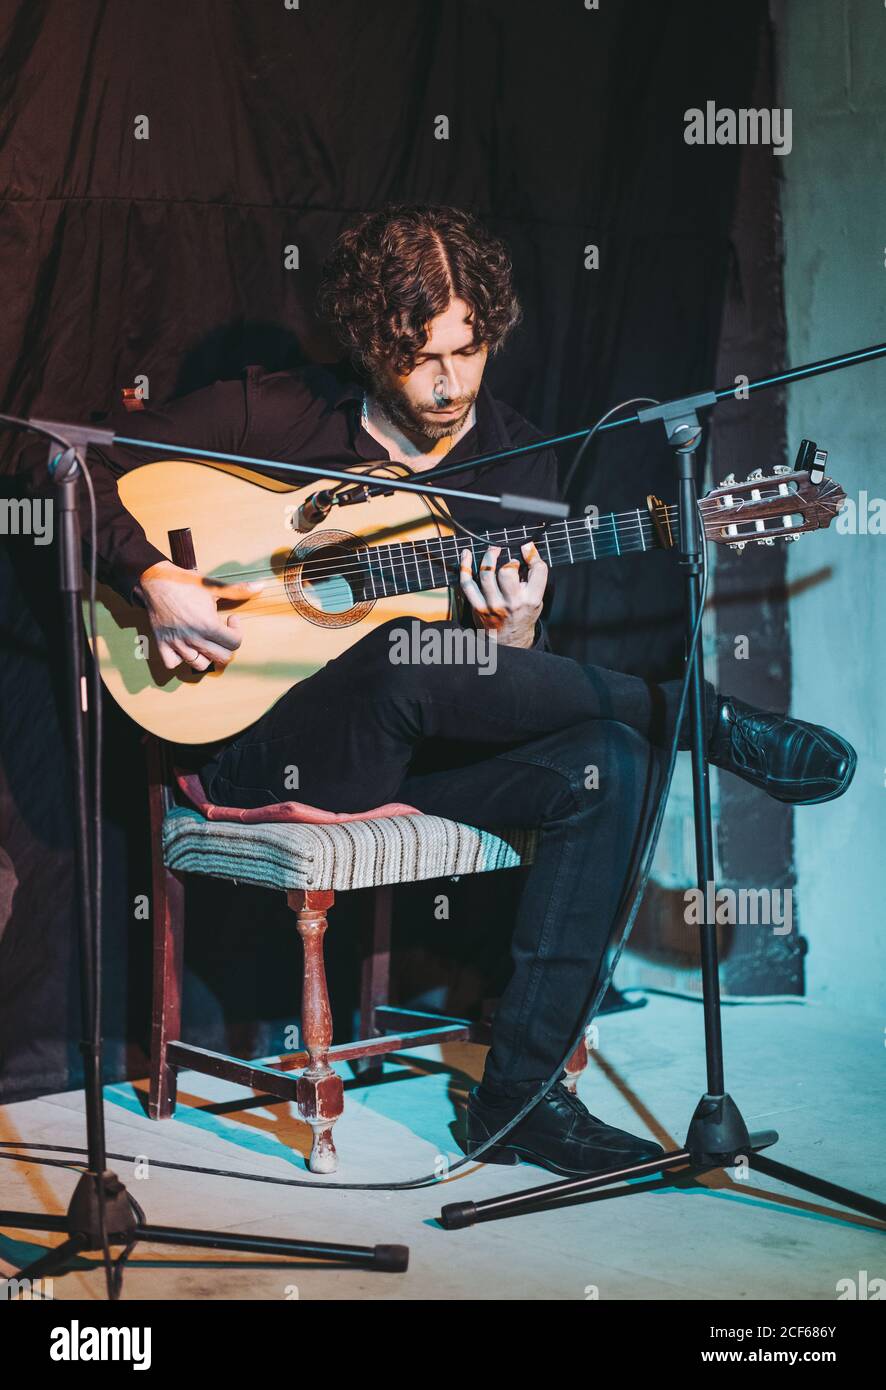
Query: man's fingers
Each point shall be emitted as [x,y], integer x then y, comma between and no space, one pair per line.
[213,651]
[468,583]
[234,593]
[216,642]
[509,581]
[189,642]
[168,655]
[189,655]
[488,580]
[538,572]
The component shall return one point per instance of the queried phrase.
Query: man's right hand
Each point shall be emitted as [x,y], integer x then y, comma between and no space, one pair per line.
[182,607]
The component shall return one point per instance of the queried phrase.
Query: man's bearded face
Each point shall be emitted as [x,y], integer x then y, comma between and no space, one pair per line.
[433,400]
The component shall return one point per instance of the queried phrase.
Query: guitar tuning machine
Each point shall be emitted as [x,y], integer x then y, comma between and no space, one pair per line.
[737,546]
[727,481]
[753,477]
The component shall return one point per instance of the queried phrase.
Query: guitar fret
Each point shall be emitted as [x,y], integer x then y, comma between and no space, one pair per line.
[429,561]
[640,524]
[368,555]
[615,533]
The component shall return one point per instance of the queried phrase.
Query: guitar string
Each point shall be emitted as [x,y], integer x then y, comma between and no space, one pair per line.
[270,599]
[559,547]
[620,525]
[603,534]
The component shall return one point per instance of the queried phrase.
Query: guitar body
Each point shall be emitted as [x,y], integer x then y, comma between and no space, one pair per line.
[366,563]
[241,525]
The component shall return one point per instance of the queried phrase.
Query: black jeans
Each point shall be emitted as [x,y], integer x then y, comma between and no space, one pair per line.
[543,742]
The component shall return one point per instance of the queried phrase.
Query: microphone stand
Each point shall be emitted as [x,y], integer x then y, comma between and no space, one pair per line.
[718,1136]
[101,1211]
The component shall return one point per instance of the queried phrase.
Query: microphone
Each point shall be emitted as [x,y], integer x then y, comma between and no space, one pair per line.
[314,509]
[318,506]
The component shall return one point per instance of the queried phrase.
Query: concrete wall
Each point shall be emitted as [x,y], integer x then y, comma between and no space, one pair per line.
[832,65]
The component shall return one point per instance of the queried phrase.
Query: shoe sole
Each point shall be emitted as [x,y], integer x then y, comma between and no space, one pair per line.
[509,1157]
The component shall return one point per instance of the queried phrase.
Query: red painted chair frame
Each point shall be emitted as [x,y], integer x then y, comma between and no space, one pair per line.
[317,1090]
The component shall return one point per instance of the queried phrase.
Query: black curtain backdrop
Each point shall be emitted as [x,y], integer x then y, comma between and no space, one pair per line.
[269,128]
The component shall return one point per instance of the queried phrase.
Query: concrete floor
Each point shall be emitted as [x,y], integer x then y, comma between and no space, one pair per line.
[811,1073]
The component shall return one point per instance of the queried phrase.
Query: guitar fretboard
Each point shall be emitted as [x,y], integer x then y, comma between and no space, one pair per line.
[405,567]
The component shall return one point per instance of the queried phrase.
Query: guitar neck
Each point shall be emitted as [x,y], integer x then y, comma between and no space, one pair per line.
[405,567]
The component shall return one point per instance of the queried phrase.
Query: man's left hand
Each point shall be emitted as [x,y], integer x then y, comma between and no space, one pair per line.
[504,603]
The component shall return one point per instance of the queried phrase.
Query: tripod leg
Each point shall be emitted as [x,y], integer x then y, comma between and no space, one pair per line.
[808,1182]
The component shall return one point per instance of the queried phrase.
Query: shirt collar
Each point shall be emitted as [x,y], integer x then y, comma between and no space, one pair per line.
[489,432]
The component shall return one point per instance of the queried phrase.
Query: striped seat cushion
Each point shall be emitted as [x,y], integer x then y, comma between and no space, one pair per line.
[353,854]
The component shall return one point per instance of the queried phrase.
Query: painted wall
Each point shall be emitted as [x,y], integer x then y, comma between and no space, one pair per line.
[832,61]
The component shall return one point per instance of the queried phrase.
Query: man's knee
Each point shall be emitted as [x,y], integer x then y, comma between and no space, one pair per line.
[603,757]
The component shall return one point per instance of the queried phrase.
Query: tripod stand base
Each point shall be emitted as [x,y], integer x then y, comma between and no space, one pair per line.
[83,1226]
[717,1132]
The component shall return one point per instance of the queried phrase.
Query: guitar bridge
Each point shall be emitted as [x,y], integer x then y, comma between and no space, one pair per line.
[660,520]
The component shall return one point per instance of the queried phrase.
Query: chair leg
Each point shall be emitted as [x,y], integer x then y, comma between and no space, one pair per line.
[375,978]
[576,1065]
[166,1007]
[319,1089]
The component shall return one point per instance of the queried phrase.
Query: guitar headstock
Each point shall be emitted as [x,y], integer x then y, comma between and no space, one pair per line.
[765,508]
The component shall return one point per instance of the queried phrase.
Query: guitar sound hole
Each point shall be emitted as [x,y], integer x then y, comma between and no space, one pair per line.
[327,582]
[333,581]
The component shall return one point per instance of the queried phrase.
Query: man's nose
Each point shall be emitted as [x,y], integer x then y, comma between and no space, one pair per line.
[447,385]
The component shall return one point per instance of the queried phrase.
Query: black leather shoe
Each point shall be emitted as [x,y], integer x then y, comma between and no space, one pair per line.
[559,1134]
[791,760]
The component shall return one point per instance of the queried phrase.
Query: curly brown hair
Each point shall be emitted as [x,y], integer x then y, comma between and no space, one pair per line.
[392,272]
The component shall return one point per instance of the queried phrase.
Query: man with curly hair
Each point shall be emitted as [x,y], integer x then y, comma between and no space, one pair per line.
[419,298]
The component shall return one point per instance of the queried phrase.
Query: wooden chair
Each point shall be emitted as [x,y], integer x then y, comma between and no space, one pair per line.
[310,863]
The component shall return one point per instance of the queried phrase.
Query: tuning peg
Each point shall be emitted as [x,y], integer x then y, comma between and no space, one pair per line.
[789,540]
[737,546]
[757,473]
[727,481]
[782,468]
[768,540]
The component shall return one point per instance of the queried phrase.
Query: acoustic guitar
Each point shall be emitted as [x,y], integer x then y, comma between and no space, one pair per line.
[397,557]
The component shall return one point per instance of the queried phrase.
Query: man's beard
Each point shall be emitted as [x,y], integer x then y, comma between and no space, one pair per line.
[412,421]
